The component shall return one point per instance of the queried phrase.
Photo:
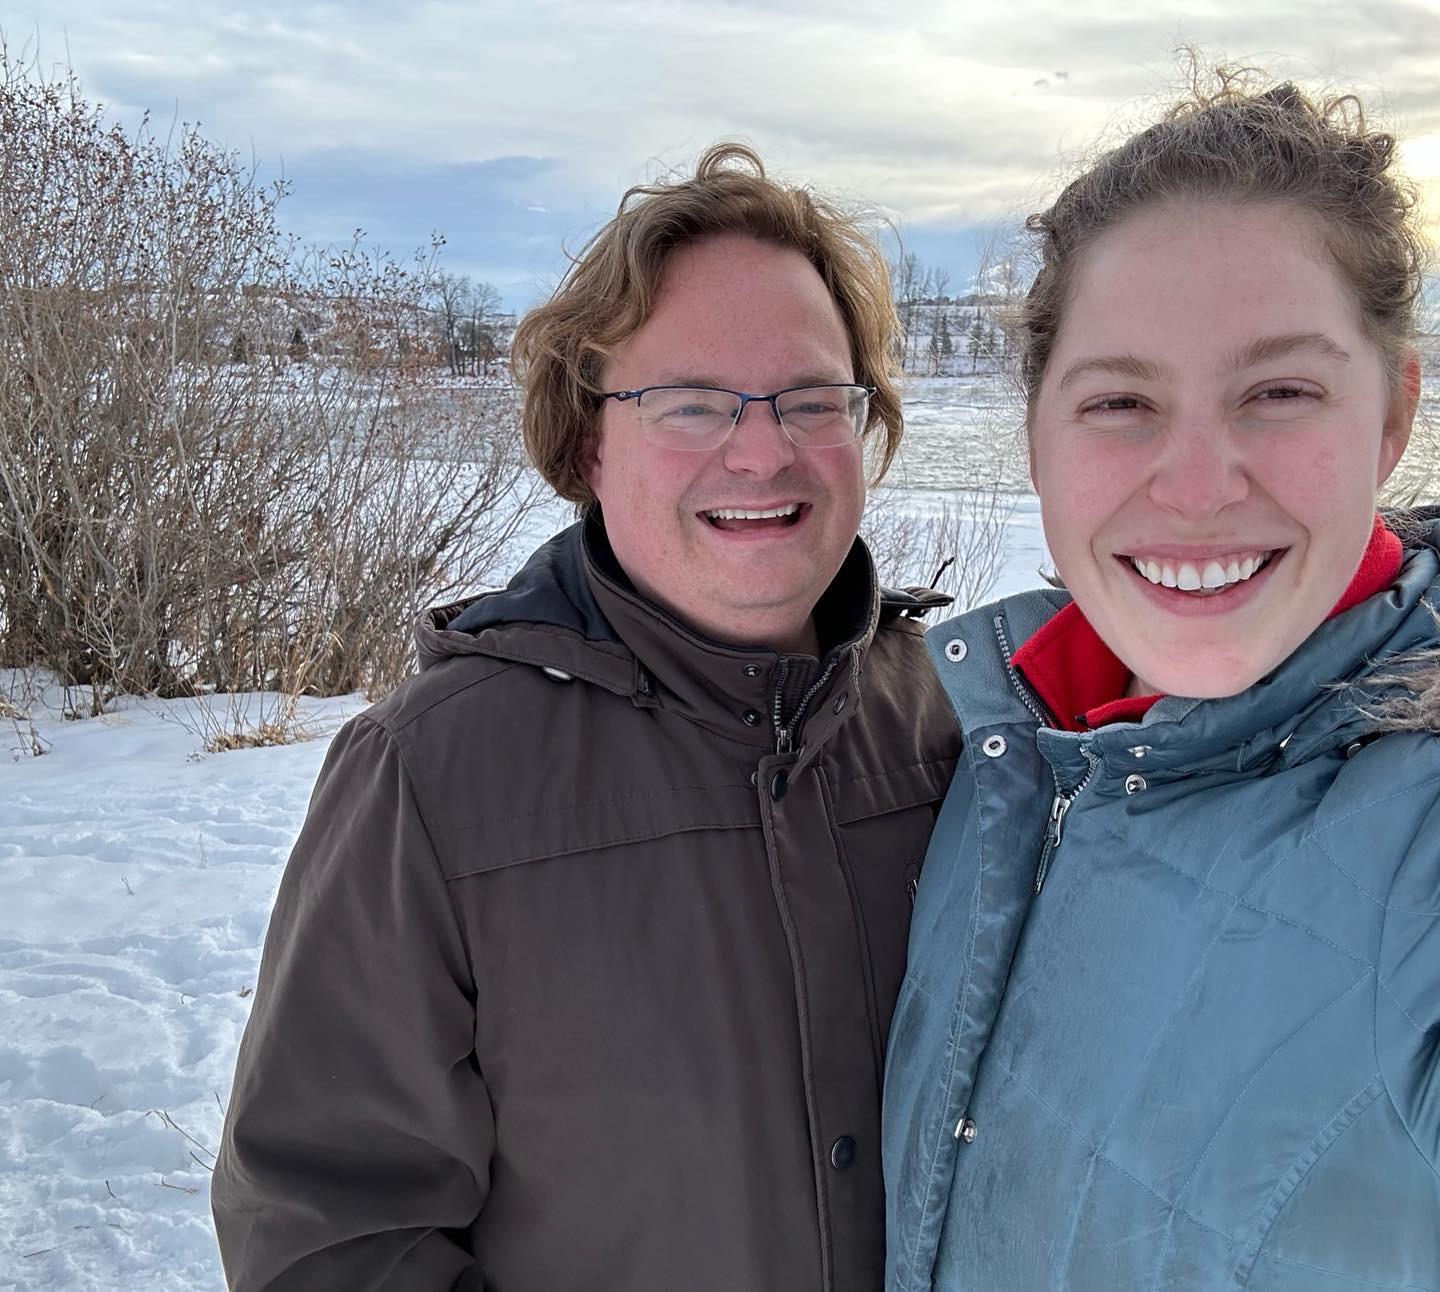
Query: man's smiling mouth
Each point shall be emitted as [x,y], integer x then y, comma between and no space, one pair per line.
[739,518]
[1204,577]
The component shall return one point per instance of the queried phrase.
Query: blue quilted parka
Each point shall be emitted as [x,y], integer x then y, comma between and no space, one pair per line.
[1206,1053]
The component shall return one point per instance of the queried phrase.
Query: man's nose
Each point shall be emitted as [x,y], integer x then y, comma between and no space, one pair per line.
[1201,469]
[758,445]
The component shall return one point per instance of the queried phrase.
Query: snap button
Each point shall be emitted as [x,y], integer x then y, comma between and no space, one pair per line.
[754,778]
[956,650]
[1139,751]
[779,784]
[751,717]
[842,1152]
[1134,784]
[966,1131]
[994,746]
[1353,748]
[752,670]
[840,703]
[559,674]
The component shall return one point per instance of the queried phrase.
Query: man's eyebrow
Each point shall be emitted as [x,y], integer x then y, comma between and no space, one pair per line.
[698,381]
[1121,365]
[1265,349]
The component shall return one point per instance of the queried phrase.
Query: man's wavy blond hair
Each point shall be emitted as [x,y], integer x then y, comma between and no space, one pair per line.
[561,346]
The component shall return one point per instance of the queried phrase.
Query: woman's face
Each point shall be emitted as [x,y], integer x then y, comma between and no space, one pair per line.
[1207,442]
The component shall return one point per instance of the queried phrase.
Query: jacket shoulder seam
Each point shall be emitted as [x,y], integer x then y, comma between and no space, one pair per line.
[407,716]
[579,849]
[399,746]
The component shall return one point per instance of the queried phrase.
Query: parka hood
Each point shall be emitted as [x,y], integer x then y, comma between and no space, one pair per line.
[549,613]
[1375,668]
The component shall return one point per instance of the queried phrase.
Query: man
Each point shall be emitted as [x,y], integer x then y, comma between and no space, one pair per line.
[581,971]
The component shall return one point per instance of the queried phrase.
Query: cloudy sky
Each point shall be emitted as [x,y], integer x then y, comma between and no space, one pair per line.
[512,128]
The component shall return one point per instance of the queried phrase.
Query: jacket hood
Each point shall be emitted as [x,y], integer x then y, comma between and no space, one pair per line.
[1374,668]
[549,613]
[1369,670]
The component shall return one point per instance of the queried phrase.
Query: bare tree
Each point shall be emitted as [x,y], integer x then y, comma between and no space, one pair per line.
[217,470]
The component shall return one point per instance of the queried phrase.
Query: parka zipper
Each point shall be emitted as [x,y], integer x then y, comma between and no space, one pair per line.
[784,732]
[1022,688]
[1055,828]
[1060,805]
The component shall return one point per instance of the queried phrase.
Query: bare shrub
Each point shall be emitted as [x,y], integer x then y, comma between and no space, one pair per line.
[956,546]
[218,468]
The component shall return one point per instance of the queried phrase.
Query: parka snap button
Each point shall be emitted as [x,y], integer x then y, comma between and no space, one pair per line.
[754,778]
[1139,751]
[840,702]
[842,1152]
[1134,784]
[1353,748]
[956,650]
[559,674]
[966,1131]
[751,717]
[779,784]
[752,670]
[994,746]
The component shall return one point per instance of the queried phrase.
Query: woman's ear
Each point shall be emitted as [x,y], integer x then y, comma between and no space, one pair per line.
[1400,416]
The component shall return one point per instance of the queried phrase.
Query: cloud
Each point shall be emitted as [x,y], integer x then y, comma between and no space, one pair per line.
[935,111]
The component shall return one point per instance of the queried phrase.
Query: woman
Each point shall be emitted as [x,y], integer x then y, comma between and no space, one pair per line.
[1172,1016]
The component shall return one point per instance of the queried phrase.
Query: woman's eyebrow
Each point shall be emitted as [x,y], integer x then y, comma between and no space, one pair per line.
[1265,349]
[1122,365]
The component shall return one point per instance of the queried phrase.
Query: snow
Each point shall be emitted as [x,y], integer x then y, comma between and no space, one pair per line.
[136,878]
[137,881]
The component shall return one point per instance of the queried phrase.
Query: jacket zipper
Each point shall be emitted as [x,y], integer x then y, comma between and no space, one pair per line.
[1022,688]
[1055,828]
[784,735]
[1060,805]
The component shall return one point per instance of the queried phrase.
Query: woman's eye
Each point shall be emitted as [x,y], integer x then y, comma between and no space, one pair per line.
[1112,404]
[1280,394]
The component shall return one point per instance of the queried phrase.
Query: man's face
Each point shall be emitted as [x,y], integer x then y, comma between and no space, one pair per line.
[739,314]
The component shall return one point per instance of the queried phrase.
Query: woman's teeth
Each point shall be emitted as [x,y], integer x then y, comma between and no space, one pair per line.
[1207,577]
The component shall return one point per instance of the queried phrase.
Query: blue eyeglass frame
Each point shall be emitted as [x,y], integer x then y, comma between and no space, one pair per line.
[745,398]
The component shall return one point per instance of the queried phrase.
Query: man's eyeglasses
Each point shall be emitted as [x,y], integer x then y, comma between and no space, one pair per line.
[699,417]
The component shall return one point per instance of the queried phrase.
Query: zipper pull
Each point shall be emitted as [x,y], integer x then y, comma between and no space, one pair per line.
[1053,831]
[782,740]
[1058,809]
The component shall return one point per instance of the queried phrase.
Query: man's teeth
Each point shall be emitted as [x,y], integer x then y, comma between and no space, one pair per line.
[771,513]
[1189,577]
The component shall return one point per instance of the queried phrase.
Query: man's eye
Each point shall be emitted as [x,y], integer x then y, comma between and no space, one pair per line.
[1278,394]
[683,410]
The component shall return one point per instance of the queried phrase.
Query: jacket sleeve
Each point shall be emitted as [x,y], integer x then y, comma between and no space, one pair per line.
[359,1131]
[1407,998]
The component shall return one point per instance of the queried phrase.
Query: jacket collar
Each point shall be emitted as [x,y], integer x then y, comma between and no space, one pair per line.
[1321,698]
[571,609]
[1082,681]
[747,693]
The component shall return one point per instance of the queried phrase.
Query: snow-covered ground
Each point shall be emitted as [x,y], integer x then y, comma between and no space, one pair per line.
[136,878]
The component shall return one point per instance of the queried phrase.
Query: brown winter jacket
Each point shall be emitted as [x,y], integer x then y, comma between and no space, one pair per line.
[581,971]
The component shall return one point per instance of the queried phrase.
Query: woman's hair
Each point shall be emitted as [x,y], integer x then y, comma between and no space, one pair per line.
[1229,142]
[561,346]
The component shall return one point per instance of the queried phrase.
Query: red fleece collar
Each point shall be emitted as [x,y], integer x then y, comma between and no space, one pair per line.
[1079,677]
